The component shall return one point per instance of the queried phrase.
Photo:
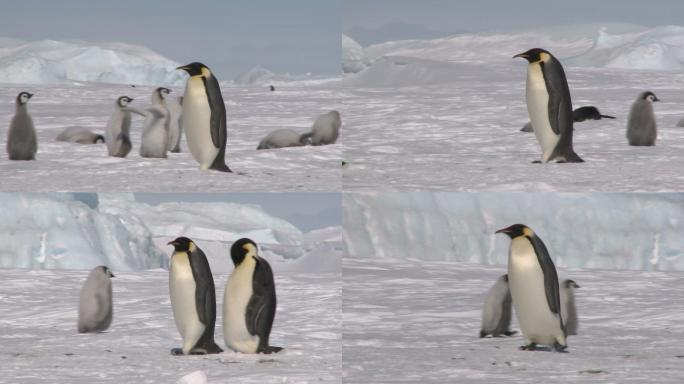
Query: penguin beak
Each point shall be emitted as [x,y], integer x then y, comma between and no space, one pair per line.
[111,274]
[523,55]
[183,67]
[30,95]
[656,99]
[172,243]
[503,230]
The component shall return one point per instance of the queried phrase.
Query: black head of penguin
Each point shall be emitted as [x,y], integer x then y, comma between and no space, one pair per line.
[533,55]
[570,284]
[162,92]
[648,95]
[195,69]
[106,271]
[516,230]
[99,139]
[181,244]
[241,249]
[23,97]
[123,101]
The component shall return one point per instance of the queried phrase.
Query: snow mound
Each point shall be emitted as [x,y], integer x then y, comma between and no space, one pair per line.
[255,76]
[391,71]
[614,231]
[49,61]
[323,250]
[354,60]
[49,232]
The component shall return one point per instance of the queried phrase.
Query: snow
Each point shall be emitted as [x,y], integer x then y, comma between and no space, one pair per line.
[50,62]
[415,321]
[41,343]
[353,58]
[256,75]
[613,231]
[251,114]
[445,114]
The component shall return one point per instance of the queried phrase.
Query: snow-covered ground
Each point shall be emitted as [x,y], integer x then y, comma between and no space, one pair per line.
[417,321]
[252,112]
[41,345]
[445,114]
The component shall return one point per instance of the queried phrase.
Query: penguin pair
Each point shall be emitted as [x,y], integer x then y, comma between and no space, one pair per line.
[325,130]
[249,300]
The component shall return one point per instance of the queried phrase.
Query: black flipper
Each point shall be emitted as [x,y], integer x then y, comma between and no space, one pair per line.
[205,301]
[217,123]
[262,306]
[550,276]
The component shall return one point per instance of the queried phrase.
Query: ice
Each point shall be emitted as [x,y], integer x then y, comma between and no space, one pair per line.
[612,231]
[49,62]
[256,75]
[353,58]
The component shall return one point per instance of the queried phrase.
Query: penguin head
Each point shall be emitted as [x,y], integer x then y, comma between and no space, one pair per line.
[162,92]
[123,101]
[99,139]
[181,244]
[516,230]
[570,284]
[196,69]
[241,249]
[106,271]
[534,55]
[23,97]
[505,278]
[648,95]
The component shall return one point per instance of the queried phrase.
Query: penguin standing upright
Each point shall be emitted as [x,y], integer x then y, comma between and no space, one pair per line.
[249,301]
[496,315]
[118,131]
[568,308]
[204,118]
[193,298]
[549,106]
[534,287]
[155,136]
[22,143]
[95,309]
[641,126]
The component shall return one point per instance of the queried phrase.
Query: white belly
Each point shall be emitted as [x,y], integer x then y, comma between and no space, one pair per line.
[197,123]
[526,281]
[182,290]
[236,296]
[538,109]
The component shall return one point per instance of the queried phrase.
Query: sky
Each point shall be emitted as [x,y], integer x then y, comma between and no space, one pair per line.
[501,15]
[229,36]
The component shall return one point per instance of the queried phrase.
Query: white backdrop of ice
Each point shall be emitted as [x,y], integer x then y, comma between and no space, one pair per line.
[49,61]
[353,58]
[613,231]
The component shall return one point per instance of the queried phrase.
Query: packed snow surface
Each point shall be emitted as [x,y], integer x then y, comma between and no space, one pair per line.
[595,230]
[353,58]
[41,344]
[252,112]
[418,322]
[50,62]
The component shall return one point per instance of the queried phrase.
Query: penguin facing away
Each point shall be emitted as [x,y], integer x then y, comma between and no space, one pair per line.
[249,301]
[496,314]
[204,118]
[118,131]
[641,126]
[80,135]
[193,298]
[22,142]
[282,138]
[549,106]
[533,281]
[95,310]
[568,308]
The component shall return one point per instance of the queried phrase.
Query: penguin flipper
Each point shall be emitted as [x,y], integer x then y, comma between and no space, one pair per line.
[205,293]
[218,111]
[559,107]
[550,275]
[262,306]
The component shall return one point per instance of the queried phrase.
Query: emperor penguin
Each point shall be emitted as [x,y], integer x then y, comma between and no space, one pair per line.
[193,298]
[95,309]
[118,131]
[204,118]
[641,126]
[534,288]
[578,115]
[282,138]
[80,135]
[175,106]
[325,129]
[549,106]
[22,143]
[496,315]
[155,136]
[249,301]
[568,309]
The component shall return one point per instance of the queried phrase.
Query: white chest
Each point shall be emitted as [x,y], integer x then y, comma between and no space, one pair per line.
[196,120]
[182,291]
[236,297]
[538,108]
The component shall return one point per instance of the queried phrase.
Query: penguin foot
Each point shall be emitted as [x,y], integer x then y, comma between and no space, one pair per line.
[560,348]
[537,162]
[510,333]
[176,351]
[198,351]
[528,347]
[271,349]
[483,334]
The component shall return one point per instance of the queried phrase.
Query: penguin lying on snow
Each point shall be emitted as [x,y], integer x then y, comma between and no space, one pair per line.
[496,315]
[80,135]
[578,115]
[326,129]
[22,143]
[249,301]
[193,298]
[282,138]
[534,288]
[568,309]
[95,301]
[641,126]
[549,106]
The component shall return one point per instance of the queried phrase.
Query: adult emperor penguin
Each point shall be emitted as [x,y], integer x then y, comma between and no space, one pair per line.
[193,298]
[249,301]
[641,126]
[175,106]
[496,315]
[325,129]
[204,118]
[22,143]
[568,309]
[578,115]
[155,136]
[281,138]
[118,131]
[95,309]
[80,135]
[534,288]
[549,106]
